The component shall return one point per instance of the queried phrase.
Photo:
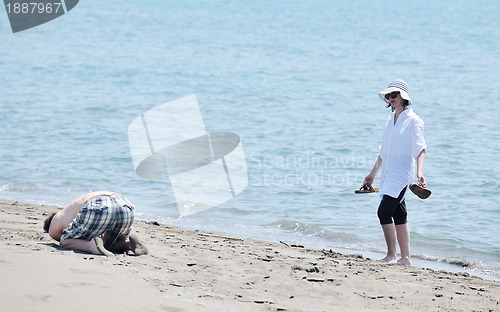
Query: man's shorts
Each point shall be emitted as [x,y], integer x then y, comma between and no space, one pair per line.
[111,215]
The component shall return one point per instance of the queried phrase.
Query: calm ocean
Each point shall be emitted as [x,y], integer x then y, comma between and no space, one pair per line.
[298,82]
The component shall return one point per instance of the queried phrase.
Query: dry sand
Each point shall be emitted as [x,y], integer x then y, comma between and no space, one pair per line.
[194,271]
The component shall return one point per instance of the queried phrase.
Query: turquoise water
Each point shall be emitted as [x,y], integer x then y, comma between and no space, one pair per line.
[297,81]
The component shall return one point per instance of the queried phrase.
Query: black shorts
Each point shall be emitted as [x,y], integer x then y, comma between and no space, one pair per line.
[392,208]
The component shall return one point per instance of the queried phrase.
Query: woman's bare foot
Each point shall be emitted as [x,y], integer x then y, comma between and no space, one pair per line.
[100,246]
[388,260]
[404,261]
[137,246]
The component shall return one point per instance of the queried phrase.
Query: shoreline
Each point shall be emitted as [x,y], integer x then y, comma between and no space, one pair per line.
[198,271]
[452,265]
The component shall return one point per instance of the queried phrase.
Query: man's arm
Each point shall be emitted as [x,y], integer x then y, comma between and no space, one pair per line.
[64,217]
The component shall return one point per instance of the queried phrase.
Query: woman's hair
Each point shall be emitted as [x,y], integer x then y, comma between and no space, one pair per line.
[406,103]
[48,220]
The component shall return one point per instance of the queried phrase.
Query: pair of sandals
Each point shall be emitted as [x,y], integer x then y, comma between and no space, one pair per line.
[418,190]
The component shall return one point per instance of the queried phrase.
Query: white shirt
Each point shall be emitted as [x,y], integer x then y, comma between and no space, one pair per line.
[401,144]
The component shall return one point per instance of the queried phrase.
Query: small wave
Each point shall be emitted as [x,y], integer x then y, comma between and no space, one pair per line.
[453,261]
[461,262]
[236,211]
[296,226]
[5,187]
[478,268]
[313,230]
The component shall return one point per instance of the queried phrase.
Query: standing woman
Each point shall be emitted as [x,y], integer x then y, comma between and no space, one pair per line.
[403,144]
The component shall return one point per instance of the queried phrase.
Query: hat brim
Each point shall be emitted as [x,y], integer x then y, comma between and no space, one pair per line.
[403,93]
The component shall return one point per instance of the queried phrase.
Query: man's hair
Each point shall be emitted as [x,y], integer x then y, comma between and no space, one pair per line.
[48,220]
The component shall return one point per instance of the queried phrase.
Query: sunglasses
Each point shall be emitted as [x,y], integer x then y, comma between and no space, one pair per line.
[393,95]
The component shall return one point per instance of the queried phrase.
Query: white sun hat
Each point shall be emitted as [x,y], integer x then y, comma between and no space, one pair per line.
[396,85]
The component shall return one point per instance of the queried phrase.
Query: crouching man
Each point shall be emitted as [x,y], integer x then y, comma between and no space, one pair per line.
[98,223]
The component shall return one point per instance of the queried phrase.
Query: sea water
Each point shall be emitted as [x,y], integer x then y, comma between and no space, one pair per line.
[297,81]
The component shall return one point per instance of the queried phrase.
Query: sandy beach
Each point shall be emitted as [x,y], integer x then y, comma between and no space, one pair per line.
[194,271]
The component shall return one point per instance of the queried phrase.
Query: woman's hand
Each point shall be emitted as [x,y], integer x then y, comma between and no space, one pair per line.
[421,181]
[368,179]
[420,169]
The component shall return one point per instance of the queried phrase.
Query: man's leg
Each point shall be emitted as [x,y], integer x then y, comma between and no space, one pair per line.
[132,243]
[121,246]
[100,246]
[137,247]
[82,232]
[81,245]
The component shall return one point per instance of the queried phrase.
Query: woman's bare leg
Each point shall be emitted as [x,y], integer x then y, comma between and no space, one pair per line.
[403,234]
[390,239]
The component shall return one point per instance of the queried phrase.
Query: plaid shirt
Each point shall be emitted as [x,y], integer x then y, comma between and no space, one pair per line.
[111,215]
